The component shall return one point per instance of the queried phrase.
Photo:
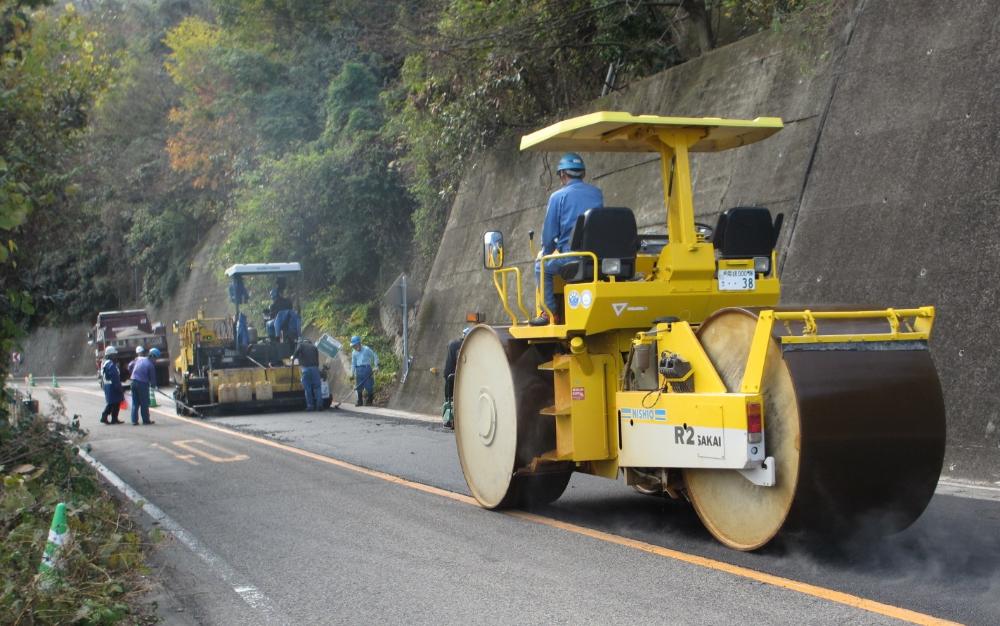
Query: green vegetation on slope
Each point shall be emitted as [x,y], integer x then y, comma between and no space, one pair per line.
[332,133]
[102,564]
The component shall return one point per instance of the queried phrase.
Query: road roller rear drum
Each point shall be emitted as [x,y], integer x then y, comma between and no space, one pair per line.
[856,430]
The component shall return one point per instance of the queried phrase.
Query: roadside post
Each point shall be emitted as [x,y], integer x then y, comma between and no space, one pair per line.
[403,296]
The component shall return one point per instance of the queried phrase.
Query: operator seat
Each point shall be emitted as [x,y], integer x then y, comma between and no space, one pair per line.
[608,232]
[746,231]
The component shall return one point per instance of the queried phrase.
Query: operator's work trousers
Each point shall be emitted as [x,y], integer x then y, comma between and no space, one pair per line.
[313,388]
[365,378]
[140,401]
[111,410]
[552,267]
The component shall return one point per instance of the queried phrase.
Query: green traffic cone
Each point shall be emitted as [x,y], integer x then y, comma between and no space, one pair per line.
[55,383]
[152,397]
[58,535]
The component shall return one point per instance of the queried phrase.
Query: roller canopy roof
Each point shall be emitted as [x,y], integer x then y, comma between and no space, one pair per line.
[249,269]
[611,131]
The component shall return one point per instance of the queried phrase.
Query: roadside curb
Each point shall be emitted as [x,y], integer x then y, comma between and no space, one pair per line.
[386,412]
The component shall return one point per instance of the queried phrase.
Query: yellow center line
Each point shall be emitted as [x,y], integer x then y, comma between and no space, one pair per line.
[815,591]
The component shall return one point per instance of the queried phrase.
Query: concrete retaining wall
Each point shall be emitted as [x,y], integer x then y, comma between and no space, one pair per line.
[886,173]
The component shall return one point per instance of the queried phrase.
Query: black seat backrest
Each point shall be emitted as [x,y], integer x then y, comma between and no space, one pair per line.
[746,232]
[608,232]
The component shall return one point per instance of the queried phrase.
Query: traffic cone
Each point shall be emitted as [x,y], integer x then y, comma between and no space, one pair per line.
[31,380]
[152,397]
[51,558]
[55,383]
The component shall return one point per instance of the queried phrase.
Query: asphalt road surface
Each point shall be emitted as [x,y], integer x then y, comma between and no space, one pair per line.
[347,518]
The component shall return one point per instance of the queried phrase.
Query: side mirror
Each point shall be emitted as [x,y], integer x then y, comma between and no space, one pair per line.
[493,250]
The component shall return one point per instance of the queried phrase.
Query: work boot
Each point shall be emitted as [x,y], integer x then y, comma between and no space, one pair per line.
[104,420]
[541,320]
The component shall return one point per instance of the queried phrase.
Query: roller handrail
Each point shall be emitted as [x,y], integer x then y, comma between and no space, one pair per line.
[754,371]
[919,330]
[561,255]
[501,288]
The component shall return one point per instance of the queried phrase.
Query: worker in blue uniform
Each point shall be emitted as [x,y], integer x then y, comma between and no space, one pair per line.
[565,205]
[308,358]
[364,364]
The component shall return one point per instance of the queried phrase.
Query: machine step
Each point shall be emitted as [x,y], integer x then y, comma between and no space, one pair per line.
[556,410]
[555,364]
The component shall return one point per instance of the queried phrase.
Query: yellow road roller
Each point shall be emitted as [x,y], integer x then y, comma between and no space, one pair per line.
[672,365]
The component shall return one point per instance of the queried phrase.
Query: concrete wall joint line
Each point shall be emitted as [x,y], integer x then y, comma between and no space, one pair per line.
[836,73]
[620,170]
[800,119]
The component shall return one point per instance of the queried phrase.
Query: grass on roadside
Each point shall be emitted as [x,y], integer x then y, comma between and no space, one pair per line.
[103,564]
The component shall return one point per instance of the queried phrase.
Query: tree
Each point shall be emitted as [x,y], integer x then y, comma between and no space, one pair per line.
[53,68]
[335,205]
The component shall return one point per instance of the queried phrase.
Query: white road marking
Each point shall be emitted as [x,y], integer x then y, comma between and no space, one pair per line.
[189,445]
[189,458]
[962,489]
[249,593]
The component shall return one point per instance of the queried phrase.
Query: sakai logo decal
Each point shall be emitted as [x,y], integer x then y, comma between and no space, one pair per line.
[586,299]
[619,307]
[574,299]
[685,435]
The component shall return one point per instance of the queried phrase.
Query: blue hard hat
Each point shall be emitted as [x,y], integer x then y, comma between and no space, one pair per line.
[155,353]
[355,340]
[571,161]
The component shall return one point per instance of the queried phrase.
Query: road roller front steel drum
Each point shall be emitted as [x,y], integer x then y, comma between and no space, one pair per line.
[498,395]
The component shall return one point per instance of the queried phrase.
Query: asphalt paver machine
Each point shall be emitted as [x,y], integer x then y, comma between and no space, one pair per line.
[671,364]
[226,366]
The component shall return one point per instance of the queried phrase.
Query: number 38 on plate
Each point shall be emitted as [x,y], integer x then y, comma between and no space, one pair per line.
[737,280]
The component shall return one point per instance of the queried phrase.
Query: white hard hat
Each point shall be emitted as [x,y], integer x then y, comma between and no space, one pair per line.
[110,350]
[140,350]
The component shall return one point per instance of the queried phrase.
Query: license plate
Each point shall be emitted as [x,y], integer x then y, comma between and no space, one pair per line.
[737,280]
